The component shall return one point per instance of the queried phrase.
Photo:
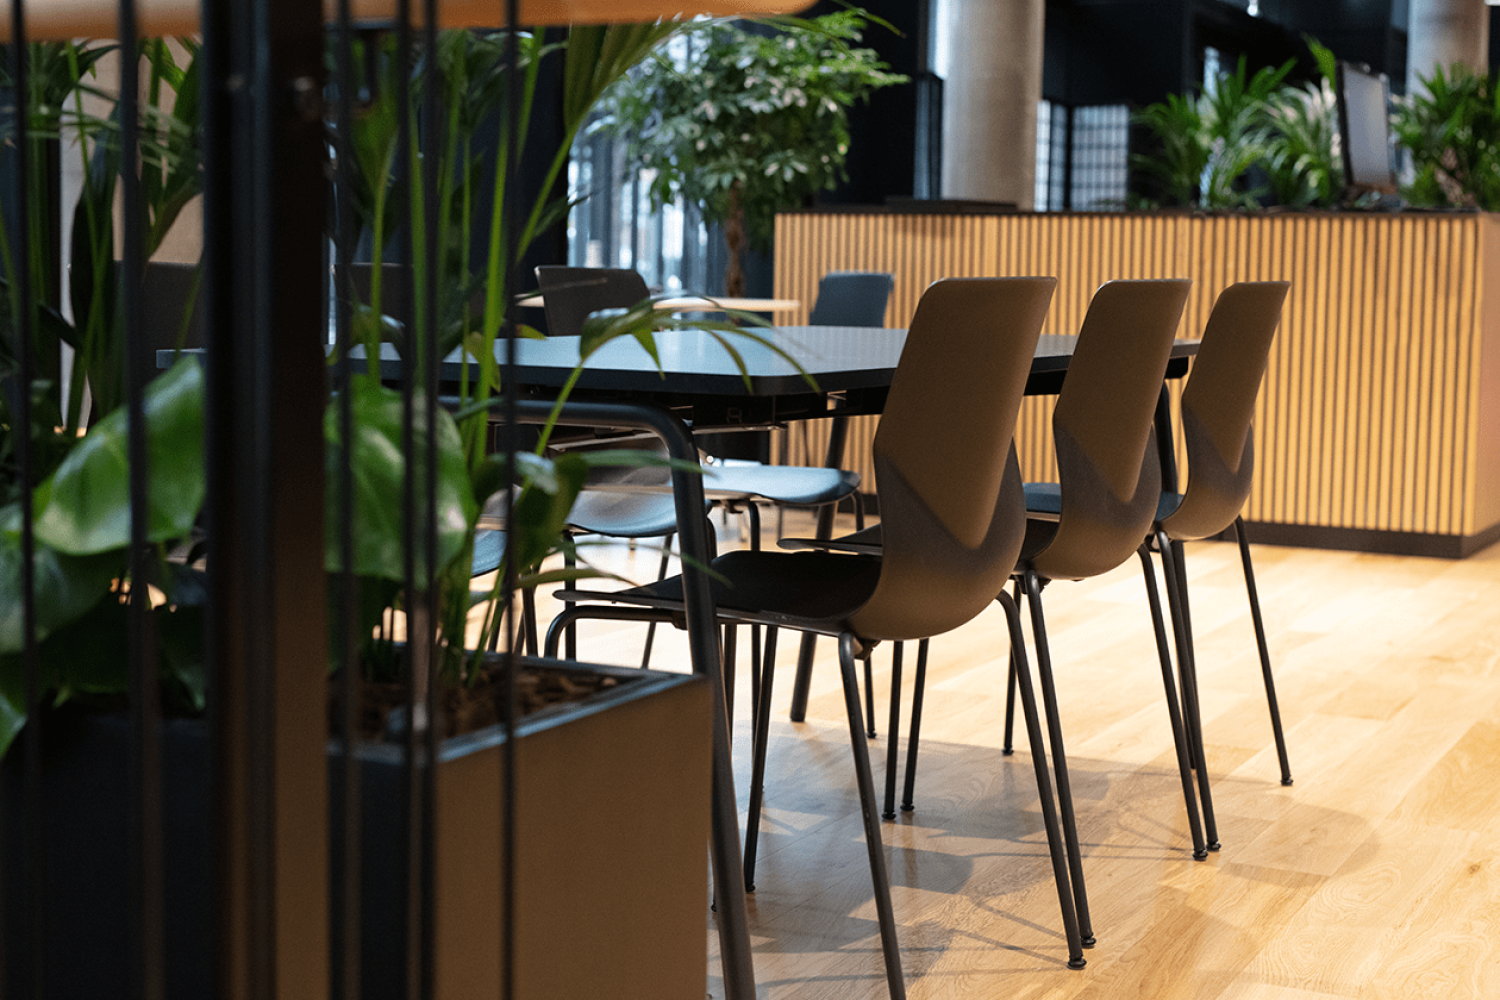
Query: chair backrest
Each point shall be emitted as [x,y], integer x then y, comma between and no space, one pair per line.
[1218,407]
[1102,427]
[569,294]
[951,508]
[851,298]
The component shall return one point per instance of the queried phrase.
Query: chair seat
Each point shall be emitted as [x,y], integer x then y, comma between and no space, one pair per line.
[1039,534]
[1046,498]
[624,514]
[815,589]
[793,485]
[489,552]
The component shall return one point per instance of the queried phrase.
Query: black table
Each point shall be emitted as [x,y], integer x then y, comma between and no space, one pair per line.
[699,381]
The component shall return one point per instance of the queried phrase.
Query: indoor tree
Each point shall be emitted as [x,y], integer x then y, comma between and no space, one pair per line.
[752,123]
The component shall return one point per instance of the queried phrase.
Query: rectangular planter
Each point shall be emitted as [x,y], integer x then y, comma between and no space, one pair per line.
[611,887]
[612,824]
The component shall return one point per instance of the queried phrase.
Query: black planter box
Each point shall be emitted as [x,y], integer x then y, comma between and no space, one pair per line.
[611,893]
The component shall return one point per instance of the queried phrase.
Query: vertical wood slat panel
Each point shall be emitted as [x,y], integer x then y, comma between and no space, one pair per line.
[1368,414]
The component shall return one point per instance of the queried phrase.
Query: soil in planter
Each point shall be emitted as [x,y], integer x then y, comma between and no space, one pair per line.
[469,707]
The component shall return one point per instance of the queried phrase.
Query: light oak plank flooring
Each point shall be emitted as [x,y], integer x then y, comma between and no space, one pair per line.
[1376,875]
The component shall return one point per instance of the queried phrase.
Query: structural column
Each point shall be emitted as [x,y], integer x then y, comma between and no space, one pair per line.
[990,56]
[1443,32]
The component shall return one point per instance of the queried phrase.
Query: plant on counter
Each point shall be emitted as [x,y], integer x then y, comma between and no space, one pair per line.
[1208,143]
[1451,128]
[756,123]
[1302,147]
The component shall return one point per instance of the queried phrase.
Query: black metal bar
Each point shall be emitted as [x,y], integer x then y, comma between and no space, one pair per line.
[510,441]
[428,328]
[23,303]
[344,911]
[146,871]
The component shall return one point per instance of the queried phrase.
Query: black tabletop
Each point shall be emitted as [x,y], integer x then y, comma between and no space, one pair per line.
[698,376]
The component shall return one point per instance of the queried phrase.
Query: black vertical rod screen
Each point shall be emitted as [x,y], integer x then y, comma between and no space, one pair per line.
[145,834]
[510,441]
[22,307]
[427,640]
[415,772]
[344,913]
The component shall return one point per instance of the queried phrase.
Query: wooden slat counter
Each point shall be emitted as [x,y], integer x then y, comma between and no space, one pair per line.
[1378,426]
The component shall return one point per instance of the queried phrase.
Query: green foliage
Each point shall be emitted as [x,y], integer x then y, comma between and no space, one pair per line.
[81,505]
[381,467]
[82,539]
[760,118]
[1451,128]
[1210,142]
[1302,149]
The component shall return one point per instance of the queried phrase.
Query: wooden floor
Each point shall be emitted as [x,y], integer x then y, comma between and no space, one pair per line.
[1376,875]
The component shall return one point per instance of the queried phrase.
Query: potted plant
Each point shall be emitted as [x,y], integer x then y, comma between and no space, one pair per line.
[1208,143]
[645,732]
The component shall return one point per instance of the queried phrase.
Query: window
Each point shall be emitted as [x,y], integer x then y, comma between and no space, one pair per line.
[1083,157]
[615,225]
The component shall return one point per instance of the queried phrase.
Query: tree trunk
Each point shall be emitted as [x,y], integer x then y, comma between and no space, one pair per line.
[734,240]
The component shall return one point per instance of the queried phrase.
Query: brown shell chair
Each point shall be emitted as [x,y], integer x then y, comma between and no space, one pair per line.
[1090,522]
[1108,490]
[954,522]
[1218,408]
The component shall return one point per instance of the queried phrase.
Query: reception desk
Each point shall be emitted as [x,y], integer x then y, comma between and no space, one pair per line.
[1378,425]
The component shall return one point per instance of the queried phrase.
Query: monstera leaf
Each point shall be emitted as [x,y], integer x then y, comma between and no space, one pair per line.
[84,509]
[380,468]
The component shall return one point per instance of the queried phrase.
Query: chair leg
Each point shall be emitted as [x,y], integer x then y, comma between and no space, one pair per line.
[570,639]
[528,615]
[1055,840]
[731,637]
[893,733]
[1265,653]
[916,727]
[752,514]
[1174,570]
[885,912]
[869,699]
[758,766]
[1059,755]
[1179,738]
[1008,747]
[661,574]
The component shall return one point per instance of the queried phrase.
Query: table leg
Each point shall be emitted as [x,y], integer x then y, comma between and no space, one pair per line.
[838,433]
[1164,438]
